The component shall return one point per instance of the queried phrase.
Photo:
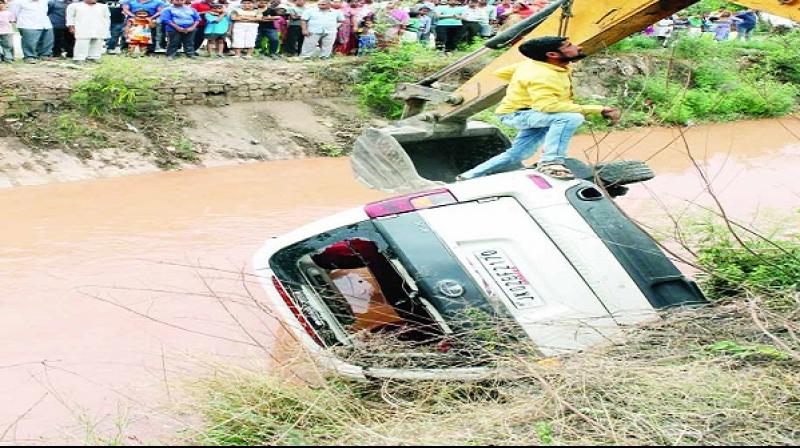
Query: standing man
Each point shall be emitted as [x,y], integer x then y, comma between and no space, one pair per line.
[116,43]
[181,21]
[63,41]
[202,7]
[539,103]
[90,23]
[294,33]
[746,24]
[449,28]
[320,27]
[35,28]
[472,19]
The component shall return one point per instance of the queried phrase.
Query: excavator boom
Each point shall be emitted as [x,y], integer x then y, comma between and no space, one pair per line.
[428,147]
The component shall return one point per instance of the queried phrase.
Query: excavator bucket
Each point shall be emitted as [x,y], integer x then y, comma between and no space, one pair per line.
[408,157]
[421,151]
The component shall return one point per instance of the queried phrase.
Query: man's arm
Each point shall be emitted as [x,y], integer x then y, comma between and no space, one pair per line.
[70,17]
[15,8]
[545,97]
[304,23]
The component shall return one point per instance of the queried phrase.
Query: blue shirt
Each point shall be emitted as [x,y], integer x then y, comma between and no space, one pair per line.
[217,24]
[57,11]
[749,20]
[448,11]
[184,17]
[151,6]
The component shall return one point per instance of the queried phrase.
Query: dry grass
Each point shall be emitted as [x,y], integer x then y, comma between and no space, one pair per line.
[720,375]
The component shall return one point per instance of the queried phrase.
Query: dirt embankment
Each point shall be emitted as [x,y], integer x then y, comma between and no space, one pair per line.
[204,113]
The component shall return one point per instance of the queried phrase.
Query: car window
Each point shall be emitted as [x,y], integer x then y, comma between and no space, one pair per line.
[348,282]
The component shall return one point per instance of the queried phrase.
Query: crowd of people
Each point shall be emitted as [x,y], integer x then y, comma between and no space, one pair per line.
[720,24]
[84,30]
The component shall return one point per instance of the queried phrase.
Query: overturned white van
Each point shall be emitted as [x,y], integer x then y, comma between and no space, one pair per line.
[441,278]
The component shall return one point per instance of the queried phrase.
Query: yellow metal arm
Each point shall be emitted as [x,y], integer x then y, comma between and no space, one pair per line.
[594,25]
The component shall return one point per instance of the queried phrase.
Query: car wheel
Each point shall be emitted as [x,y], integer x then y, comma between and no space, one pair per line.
[623,172]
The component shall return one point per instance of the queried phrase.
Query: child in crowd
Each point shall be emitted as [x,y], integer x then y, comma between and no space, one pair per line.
[245,28]
[281,22]
[722,25]
[268,30]
[6,33]
[138,32]
[419,25]
[367,40]
[294,33]
[181,23]
[217,25]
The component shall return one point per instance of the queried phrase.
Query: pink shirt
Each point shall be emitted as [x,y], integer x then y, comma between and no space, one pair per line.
[6,17]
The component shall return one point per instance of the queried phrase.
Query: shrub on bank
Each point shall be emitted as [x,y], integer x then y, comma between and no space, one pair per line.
[720,375]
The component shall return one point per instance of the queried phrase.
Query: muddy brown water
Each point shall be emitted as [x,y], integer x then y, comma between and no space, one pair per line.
[105,285]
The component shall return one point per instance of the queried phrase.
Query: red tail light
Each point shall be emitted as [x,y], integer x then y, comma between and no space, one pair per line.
[410,203]
[296,311]
[540,181]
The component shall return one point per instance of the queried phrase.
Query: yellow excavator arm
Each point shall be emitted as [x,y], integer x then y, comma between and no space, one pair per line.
[594,25]
[431,146]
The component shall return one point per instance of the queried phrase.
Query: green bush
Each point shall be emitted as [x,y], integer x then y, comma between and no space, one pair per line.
[381,73]
[766,267]
[719,81]
[636,42]
[116,88]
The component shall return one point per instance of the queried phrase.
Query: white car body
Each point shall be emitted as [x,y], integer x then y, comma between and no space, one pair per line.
[553,273]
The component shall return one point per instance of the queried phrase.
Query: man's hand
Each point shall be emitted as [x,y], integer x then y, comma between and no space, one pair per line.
[306,34]
[612,113]
[72,29]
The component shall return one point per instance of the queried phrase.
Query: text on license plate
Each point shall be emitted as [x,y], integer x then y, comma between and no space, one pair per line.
[509,278]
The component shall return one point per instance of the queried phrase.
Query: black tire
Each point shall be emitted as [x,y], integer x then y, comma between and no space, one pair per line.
[623,172]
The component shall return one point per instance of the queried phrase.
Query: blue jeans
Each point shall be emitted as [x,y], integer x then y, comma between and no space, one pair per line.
[554,129]
[36,43]
[271,34]
[117,38]
[6,47]
[745,32]
[177,40]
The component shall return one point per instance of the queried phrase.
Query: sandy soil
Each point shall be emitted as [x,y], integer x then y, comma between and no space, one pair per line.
[229,135]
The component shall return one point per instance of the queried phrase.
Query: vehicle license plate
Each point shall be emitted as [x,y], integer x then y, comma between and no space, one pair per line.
[508,276]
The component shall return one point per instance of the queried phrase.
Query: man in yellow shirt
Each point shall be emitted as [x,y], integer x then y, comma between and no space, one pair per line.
[539,103]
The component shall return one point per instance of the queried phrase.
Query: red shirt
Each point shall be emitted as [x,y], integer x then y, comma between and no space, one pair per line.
[202,8]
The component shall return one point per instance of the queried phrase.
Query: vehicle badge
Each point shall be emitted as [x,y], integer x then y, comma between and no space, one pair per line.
[450,288]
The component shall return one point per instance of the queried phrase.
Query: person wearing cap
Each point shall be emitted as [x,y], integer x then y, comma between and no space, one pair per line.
[539,104]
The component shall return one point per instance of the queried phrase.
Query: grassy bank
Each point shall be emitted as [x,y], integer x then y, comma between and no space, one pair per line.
[116,106]
[696,80]
[699,80]
[723,374]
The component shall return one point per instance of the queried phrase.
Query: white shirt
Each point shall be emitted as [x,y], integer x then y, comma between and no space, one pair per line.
[663,28]
[90,21]
[475,15]
[31,14]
